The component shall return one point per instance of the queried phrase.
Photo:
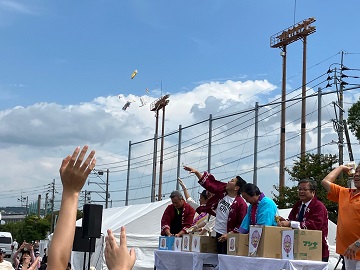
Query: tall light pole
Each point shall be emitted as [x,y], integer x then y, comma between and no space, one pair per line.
[155,107]
[280,40]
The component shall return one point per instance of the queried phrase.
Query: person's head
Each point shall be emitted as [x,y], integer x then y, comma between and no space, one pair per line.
[2,255]
[357,177]
[68,266]
[250,193]
[306,189]
[25,257]
[235,185]
[203,197]
[177,199]
[37,253]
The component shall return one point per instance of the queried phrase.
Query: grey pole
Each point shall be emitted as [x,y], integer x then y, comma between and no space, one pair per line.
[153,184]
[209,148]
[107,188]
[52,206]
[128,177]
[256,142]
[319,122]
[179,159]
[341,116]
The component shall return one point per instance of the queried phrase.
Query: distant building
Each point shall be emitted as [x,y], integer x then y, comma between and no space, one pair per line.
[12,218]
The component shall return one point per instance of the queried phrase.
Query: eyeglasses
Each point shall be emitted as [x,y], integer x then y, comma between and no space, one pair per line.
[304,189]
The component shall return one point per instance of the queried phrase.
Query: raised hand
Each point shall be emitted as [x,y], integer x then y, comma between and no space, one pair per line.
[189,169]
[74,171]
[181,183]
[118,257]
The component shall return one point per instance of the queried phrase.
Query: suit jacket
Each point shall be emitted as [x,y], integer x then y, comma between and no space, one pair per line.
[315,218]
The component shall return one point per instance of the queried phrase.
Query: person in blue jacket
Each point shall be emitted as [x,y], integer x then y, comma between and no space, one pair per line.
[262,210]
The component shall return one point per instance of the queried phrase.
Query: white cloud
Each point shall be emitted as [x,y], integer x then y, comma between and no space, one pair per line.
[34,139]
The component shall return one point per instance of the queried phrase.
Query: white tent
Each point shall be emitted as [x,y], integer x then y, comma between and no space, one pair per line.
[142,224]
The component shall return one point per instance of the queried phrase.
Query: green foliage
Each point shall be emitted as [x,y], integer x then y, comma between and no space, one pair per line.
[312,166]
[354,119]
[30,229]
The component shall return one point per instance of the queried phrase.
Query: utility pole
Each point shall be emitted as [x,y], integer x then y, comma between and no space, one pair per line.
[341,113]
[46,203]
[107,189]
[27,205]
[39,205]
[52,206]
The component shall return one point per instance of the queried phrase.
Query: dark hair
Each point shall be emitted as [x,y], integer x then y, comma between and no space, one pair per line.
[311,182]
[176,193]
[250,189]
[240,183]
[204,194]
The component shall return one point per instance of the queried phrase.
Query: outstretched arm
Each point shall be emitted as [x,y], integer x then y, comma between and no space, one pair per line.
[331,177]
[186,192]
[73,173]
[192,170]
[118,257]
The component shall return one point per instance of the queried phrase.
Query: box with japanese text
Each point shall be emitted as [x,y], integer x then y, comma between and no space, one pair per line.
[203,244]
[265,241]
[238,244]
[308,245]
[166,242]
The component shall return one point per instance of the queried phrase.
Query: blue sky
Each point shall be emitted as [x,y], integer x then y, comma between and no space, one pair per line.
[76,56]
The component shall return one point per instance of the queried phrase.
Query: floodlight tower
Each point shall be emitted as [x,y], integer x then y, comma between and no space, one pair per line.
[280,40]
[156,106]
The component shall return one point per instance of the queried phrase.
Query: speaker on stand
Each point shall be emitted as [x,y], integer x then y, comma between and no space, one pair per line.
[86,235]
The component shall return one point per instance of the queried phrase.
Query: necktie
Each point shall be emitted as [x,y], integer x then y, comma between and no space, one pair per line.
[301,214]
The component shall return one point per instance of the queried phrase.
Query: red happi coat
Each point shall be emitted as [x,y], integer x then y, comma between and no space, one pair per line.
[169,214]
[315,218]
[238,208]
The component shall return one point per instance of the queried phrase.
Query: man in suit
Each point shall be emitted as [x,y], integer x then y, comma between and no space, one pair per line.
[309,213]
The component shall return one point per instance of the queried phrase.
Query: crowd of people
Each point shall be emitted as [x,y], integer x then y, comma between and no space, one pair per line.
[223,208]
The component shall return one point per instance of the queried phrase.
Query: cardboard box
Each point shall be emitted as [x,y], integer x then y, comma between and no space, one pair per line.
[307,245]
[238,244]
[186,242]
[177,244]
[166,242]
[265,241]
[203,244]
[287,244]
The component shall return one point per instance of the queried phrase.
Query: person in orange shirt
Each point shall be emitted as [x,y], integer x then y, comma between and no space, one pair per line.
[348,225]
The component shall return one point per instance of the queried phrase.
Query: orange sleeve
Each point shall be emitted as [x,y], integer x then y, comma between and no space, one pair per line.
[334,193]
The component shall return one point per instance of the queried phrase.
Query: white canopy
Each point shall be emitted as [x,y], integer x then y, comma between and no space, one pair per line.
[142,224]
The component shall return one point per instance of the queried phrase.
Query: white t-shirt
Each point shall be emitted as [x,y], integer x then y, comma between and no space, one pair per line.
[5,265]
[222,214]
[15,245]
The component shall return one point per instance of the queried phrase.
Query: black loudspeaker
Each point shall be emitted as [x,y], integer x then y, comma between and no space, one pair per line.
[82,244]
[91,221]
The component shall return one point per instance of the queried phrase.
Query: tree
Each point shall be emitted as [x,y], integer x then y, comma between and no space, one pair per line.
[312,166]
[354,119]
[30,229]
